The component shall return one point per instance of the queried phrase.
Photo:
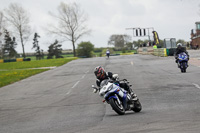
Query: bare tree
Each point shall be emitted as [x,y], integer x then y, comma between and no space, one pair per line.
[71,23]
[18,17]
[1,21]
[2,25]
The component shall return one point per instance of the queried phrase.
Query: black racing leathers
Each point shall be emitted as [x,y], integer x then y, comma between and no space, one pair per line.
[180,50]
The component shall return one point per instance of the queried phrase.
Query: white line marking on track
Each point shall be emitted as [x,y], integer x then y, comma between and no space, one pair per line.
[72,87]
[75,84]
[196,85]
[131,63]
[87,71]
[84,74]
[68,92]
[83,77]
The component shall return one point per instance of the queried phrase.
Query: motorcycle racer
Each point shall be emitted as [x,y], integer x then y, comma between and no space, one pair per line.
[108,53]
[179,50]
[101,74]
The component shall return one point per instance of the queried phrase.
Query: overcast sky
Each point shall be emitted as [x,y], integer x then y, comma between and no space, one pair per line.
[170,18]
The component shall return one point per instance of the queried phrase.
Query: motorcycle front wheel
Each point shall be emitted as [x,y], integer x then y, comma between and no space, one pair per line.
[183,67]
[117,107]
[183,70]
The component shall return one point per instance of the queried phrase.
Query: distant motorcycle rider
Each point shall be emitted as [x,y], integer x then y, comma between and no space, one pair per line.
[179,50]
[101,75]
[108,53]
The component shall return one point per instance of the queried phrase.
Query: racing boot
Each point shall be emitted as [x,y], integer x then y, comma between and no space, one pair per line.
[133,95]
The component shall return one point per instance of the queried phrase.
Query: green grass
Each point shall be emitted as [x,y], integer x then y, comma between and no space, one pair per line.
[8,77]
[35,63]
[96,54]
[115,52]
[15,71]
[45,57]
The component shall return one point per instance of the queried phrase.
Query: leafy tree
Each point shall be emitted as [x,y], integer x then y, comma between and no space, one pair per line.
[85,49]
[51,51]
[58,51]
[9,46]
[98,49]
[55,50]
[18,18]
[161,43]
[181,41]
[71,21]
[138,43]
[129,45]
[119,41]
[39,53]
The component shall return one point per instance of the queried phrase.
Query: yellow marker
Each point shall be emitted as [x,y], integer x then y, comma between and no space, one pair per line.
[19,59]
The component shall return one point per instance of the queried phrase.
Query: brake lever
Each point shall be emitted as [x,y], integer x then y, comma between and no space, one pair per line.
[95,89]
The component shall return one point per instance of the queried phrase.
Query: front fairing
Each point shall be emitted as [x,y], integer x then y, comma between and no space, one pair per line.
[116,90]
[182,57]
[105,89]
[110,90]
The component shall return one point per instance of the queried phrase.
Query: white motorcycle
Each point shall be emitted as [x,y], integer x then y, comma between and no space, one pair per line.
[119,99]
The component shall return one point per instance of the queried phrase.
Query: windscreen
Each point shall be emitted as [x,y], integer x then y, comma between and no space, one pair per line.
[104,82]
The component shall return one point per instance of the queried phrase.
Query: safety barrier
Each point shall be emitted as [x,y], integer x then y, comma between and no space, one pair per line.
[127,53]
[14,60]
[160,52]
[145,50]
[19,59]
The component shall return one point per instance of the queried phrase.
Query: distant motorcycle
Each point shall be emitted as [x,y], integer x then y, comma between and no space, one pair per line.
[107,53]
[119,99]
[182,61]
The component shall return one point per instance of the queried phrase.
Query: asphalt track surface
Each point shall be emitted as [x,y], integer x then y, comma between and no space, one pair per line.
[61,100]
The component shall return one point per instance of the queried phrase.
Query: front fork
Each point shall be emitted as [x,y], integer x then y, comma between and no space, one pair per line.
[117,98]
[123,102]
[125,97]
[180,64]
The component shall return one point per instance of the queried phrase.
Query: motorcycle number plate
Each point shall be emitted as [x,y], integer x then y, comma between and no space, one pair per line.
[104,88]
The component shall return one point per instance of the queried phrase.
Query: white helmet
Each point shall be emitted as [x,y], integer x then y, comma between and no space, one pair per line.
[179,44]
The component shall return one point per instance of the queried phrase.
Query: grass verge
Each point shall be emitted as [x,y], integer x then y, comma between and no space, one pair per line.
[15,71]
[35,63]
[9,77]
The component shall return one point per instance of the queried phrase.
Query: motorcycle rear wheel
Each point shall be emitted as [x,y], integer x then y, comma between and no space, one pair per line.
[137,106]
[117,107]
